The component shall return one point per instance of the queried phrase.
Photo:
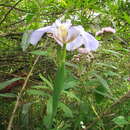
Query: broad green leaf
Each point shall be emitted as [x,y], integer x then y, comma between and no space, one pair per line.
[120,121]
[10,95]
[39,52]
[66,110]
[8,82]
[25,40]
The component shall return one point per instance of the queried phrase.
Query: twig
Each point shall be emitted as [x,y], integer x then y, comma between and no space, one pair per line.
[9,11]
[19,95]
[119,101]
[9,6]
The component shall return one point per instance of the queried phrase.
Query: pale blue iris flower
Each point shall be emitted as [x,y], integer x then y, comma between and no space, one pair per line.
[64,33]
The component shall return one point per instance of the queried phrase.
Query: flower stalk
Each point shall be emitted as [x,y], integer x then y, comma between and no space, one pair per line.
[58,84]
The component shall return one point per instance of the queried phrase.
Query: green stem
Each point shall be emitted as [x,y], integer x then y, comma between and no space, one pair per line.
[64,54]
[59,84]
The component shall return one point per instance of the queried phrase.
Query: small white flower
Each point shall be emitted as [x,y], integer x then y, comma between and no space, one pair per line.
[83,126]
[65,33]
[81,123]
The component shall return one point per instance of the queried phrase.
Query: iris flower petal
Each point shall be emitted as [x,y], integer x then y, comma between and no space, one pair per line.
[75,43]
[37,34]
[65,33]
[90,42]
[72,34]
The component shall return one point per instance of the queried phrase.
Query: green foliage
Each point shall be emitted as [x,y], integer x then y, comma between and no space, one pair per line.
[91,85]
[120,121]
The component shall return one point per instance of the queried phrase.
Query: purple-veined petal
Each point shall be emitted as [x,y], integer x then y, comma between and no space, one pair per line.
[72,34]
[75,44]
[90,42]
[37,34]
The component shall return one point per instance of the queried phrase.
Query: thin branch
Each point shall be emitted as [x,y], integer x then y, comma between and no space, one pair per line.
[119,101]
[19,95]
[9,11]
[9,6]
